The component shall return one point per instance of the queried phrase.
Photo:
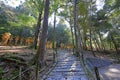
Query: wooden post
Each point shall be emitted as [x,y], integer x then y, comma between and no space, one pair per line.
[20,78]
[97,73]
[0,73]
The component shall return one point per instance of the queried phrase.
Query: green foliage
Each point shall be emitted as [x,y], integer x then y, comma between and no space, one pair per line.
[35,6]
[26,20]
[17,23]
[3,20]
[83,8]
[63,34]
[110,2]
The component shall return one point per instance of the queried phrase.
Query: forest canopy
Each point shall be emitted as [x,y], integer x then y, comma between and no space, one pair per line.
[20,21]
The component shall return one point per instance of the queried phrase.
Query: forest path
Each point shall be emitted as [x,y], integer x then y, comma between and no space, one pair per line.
[68,67]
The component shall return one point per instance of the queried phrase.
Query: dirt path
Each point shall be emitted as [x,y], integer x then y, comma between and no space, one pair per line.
[108,72]
[15,49]
[67,68]
[111,72]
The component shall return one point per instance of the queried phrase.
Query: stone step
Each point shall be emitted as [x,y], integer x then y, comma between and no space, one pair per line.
[70,64]
[72,61]
[67,78]
[67,73]
[67,70]
[73,66]
[68,59]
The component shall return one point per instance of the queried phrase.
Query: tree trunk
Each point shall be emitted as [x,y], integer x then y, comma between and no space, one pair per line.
[91,47]
[102,45]
[54,39]
[96,47]
[72,39]
[71,28]
[90,30]
[85,44]
[98,44]
[80,46]
[81,39]
[37,30]
[115,45]
[43,37]
[110,45]
[75,28]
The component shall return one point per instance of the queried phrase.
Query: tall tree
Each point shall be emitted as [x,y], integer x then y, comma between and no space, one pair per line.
[75,27]
[43,37]
[36,6]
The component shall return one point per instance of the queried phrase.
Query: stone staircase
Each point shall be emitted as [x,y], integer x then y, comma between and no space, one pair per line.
[68,68]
